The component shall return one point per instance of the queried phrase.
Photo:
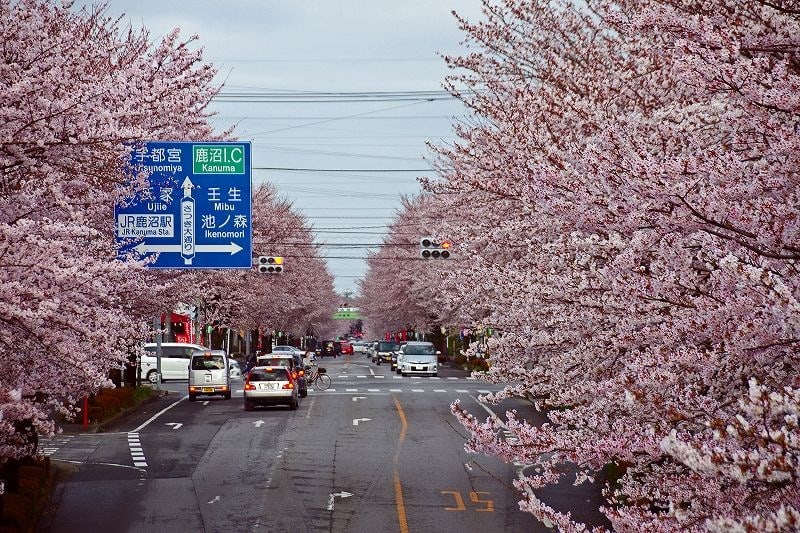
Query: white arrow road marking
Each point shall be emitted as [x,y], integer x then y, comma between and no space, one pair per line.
[356,398]
[175,425]
[258,423]
[215,500]
[342,494]
[357,420]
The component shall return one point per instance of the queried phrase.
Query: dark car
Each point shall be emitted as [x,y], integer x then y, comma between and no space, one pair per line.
[384,351]
[329,349]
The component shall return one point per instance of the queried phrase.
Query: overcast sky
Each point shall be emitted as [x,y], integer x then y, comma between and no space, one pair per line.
[277,49]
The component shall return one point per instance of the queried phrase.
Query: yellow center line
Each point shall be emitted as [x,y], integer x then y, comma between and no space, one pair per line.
[398,488]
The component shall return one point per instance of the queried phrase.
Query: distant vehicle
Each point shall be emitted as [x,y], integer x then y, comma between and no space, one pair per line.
[288,349]
[329,349]
[235,369]
[174,361]
[396,356]
[418,358]
[268,385]
[346,348]
[383,352]
[209,374]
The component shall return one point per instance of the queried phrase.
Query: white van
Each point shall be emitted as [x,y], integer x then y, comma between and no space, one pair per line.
[209,374]
[174,361]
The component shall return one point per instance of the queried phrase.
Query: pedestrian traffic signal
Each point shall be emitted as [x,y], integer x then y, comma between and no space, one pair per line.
[268,264]
[430,248]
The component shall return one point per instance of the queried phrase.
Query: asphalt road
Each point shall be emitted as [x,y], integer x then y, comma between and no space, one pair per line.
[375,452]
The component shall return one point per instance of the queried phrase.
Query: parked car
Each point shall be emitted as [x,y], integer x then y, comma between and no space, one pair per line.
[174,361]
[329,349]
[418,357]
[268,385]
[293,362]
[209,374]
[383,352]
[288,349]
[358,347]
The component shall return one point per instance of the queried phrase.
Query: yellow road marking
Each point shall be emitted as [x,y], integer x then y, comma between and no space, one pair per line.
[398,488]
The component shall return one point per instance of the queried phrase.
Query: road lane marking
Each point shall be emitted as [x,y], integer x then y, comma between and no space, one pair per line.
[398,488]
[310,407]
[161,412]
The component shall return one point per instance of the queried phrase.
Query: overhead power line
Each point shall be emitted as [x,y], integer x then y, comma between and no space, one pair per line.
[301,169]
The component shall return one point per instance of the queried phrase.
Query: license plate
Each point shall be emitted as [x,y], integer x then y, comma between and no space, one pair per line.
[208,389]
[267,386]
[419,368]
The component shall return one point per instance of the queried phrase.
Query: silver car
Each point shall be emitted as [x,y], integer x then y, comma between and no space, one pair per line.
[270,385]
[418,358]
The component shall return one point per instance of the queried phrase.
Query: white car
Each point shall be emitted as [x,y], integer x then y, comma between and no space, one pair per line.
[288,349]
[174,361]
[418,358]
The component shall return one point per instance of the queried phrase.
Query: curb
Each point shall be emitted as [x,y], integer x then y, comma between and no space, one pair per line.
[101,426]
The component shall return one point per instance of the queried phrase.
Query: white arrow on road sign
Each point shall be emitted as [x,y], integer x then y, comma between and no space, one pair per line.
[342,494]
[356,398]
[175,425]
[357,420]
[231,248]
[258,423]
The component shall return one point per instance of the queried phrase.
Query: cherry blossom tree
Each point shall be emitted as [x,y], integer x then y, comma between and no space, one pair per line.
[400,289]
[628,196]
[75,89]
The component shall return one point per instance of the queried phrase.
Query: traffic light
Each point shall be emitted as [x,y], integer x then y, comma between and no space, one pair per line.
[268,264]
[430,248]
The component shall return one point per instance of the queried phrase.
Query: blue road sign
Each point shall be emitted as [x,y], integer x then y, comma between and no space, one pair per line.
[196,213]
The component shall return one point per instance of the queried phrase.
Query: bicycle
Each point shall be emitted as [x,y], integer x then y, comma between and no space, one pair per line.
[320,379]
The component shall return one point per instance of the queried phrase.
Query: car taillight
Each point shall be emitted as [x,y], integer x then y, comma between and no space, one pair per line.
[288,385]
[302,372]
[249,386]
[294,375]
